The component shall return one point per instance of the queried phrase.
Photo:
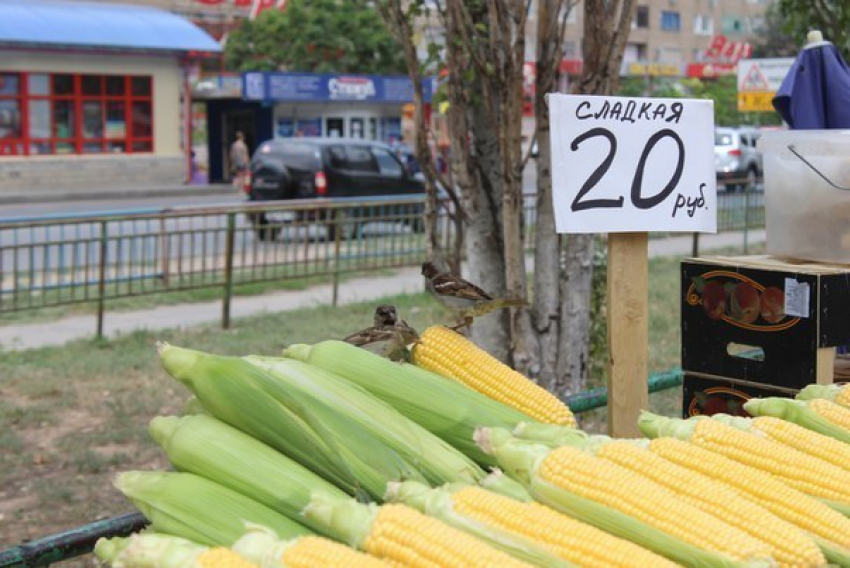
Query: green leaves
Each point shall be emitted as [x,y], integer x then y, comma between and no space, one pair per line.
[341,36]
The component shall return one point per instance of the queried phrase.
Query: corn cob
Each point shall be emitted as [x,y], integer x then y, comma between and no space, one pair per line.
[448,353]
[763,489]
[790,434]
[788,544]
[335,445]
[818,415]
[809,474]
[620,502]
[438,461]
[839,394]
[189,506]
[205,446]
[413,391]
[165,551]
[260,545]
[400,534]
[440,504]
[479,511]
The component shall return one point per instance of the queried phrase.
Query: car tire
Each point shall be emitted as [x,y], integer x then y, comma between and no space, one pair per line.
[752,179]
[265,231]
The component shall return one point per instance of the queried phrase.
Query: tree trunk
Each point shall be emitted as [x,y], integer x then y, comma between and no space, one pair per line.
[576,289]
[606,28]
[545,311]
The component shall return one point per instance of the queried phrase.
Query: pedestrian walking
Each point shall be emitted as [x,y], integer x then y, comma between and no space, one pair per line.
[239,162]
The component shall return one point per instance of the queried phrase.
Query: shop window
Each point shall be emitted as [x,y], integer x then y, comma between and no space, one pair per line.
[64,113]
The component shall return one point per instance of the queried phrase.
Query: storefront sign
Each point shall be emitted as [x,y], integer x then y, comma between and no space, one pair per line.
[632,164]
[758,81]
[711,70]
[280,87]
[654,69]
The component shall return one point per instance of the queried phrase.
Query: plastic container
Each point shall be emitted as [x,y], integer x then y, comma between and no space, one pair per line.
[807,194]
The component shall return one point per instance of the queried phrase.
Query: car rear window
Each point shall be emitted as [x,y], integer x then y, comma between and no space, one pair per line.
[721,139]
[300,156]
[357,158]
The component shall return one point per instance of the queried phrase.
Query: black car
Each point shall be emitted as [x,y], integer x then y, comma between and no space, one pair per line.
[303,168]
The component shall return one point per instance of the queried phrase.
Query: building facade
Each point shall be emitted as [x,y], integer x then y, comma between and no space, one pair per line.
[94,96]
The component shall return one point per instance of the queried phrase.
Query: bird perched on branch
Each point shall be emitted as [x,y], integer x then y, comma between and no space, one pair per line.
[388,336]
[461,296]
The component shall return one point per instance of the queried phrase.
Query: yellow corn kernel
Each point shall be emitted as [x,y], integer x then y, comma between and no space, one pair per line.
[450,354]
[760,487]
[570,539]
[789,545]
[616,487]
[402,534]
[835,413]
[813,443]
[221,557]
[807,473]
[843,396]
[311,551]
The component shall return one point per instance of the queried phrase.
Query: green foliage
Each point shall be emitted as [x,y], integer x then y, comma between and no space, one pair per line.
[319,36]
[723,91]
[831,17]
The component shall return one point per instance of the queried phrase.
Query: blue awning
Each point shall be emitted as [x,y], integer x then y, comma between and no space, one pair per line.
[88,25]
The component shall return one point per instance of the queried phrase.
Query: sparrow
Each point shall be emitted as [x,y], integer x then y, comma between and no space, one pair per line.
[389,336]
[462,296]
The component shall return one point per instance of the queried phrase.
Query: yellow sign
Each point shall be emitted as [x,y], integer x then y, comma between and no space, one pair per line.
[760,101]
[655,69]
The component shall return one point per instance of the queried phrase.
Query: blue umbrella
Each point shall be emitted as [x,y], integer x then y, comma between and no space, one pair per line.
[816,92]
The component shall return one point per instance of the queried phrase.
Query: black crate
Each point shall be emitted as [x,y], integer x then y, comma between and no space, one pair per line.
[734,323]
[703,395]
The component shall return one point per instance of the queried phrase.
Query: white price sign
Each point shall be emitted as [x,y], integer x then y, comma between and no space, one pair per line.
[632,164]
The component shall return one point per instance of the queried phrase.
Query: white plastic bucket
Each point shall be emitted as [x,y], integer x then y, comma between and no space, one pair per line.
[807,194]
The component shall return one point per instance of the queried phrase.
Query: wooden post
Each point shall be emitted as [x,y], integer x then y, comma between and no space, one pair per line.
[628,331]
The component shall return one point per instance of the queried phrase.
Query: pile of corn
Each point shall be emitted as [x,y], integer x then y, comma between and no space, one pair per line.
[330,455]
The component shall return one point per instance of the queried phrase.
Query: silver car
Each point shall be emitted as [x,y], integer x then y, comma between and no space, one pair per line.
[736,160]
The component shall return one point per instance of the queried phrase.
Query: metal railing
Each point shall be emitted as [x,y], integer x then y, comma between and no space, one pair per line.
[56,261]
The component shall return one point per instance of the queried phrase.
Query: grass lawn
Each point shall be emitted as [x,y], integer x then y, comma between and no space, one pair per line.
[71,417]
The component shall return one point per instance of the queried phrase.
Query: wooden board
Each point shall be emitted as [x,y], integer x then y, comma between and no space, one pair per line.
[628,331]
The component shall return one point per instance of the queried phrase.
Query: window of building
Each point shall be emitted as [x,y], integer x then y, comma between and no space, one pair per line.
[63,113]
[734,25]
[641,17]
[703,24]
[671,21]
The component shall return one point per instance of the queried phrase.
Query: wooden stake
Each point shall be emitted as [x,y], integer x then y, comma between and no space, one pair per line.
[628,331]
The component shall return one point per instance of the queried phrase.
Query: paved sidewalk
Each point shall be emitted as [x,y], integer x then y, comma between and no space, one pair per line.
[402,281]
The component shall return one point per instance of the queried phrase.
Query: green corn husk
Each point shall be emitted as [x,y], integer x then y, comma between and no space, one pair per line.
[657,426]
[521,460]
[437,460]
[148,550]
[798,412]
[208,447]
[332,444]
[834,554]
[497,482]
[197,509]
[445,407]
[829,392]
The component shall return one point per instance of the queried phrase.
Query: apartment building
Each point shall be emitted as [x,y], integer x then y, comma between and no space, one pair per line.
[675,38]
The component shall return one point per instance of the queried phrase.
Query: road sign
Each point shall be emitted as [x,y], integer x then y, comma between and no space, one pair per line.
[756,102]
[758,81]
